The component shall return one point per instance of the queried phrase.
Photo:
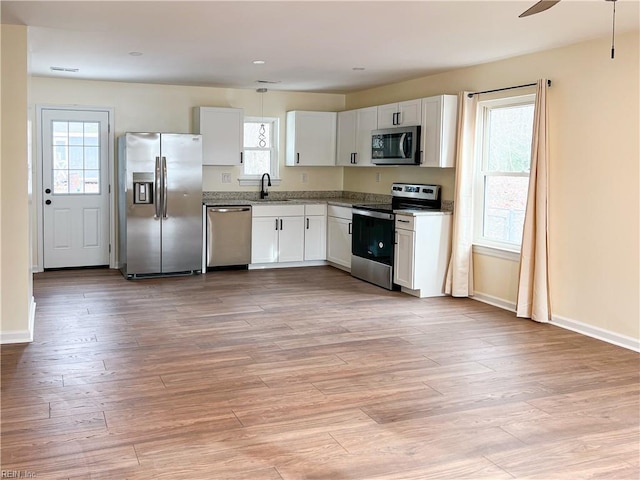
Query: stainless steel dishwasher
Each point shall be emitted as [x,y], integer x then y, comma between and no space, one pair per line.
[228,236]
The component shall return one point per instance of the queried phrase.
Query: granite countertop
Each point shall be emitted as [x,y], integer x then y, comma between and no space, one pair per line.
[339,198]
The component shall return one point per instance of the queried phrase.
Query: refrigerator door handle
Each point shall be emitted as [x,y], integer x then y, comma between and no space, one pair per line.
[157,194]
[164,187]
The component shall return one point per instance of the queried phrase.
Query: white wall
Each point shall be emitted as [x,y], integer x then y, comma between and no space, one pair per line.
[594,195]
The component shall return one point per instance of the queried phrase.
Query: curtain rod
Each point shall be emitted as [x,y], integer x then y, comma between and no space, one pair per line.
[470,95]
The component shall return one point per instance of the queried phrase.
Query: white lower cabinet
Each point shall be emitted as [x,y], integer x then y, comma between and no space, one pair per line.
[421,256]
[339,235]
[277,233]
[315,232]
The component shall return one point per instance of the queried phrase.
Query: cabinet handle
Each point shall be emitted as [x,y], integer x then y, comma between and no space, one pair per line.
[280,224]
[403,221]
[307,224]
[355,158]
[349,228]
[241,157]
[297,157]
[276,224]
[395,118]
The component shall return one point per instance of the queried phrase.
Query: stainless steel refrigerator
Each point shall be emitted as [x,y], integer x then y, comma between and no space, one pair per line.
[160,204]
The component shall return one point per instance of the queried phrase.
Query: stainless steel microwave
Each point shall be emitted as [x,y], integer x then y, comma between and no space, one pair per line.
[396,146]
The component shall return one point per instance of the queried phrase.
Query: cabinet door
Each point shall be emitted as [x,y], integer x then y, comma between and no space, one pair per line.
[410,112]
[291,239]
[438,135]
[403,267]
[311,138]
[264,239]
[387,115]
[339,241]
[347,125]
[222,132]
[366,121]
[396,114]
[315,238]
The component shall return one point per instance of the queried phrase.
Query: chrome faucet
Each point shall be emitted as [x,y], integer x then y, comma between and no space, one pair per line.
[263,192]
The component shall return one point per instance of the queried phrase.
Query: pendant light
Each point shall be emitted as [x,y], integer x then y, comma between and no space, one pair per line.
[613,30]
[262,137]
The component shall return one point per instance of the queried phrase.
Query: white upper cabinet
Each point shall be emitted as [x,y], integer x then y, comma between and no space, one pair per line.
[438,131]
[222,134]
[354,136]
[400,114]
[311,139]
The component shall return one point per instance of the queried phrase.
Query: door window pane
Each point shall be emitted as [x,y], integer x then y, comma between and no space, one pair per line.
[76,157]
[92,158]
[91,178]
[60,181]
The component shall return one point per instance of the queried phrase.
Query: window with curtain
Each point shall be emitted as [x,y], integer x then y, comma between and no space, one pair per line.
[503,161]
[260,157]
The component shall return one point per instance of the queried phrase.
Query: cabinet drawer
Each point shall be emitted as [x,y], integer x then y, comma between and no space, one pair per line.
[315,209]
[405,222]
[278,210]
[340,212]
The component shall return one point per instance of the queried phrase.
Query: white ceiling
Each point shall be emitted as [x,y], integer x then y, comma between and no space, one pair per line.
[307,45]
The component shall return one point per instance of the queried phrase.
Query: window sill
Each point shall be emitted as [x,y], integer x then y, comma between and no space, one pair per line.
[497,252]
[255,182]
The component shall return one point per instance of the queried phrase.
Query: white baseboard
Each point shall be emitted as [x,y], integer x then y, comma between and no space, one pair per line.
[495,301]
[21,336]
[573,325]
[597,332]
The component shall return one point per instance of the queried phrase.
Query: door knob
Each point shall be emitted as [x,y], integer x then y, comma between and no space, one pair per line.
[48,190]
[48,202]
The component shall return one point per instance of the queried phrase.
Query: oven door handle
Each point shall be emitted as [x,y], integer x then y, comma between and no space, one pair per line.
[371,213]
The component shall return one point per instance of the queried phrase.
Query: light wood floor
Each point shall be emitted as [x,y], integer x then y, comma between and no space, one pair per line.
[306,374]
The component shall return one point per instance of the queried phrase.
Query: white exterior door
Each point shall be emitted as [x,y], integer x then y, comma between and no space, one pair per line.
[75,188]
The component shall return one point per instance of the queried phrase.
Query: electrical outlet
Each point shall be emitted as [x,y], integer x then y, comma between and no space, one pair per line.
[226,178]
[378,177]
[305,177]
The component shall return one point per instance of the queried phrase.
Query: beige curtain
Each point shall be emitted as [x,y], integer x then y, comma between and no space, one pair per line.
[533,285]
[459,281]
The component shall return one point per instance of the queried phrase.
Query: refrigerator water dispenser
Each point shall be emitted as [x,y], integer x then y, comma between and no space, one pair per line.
[142,188]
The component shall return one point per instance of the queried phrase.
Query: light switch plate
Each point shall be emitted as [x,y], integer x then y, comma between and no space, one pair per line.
[226,178]
[305,177]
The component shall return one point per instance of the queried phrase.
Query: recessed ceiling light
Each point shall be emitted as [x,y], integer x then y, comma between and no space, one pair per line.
[136,54]
[259,62]
[359,69]
[64,69]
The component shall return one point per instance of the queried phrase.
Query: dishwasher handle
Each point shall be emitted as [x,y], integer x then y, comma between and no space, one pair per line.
[228,209]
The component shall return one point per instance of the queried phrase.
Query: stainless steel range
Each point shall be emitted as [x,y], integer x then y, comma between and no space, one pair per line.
[373,231]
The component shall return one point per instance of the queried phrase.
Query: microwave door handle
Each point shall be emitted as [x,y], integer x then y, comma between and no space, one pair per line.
[403,139]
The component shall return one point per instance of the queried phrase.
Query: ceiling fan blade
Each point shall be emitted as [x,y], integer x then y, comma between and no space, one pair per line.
[541,6]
